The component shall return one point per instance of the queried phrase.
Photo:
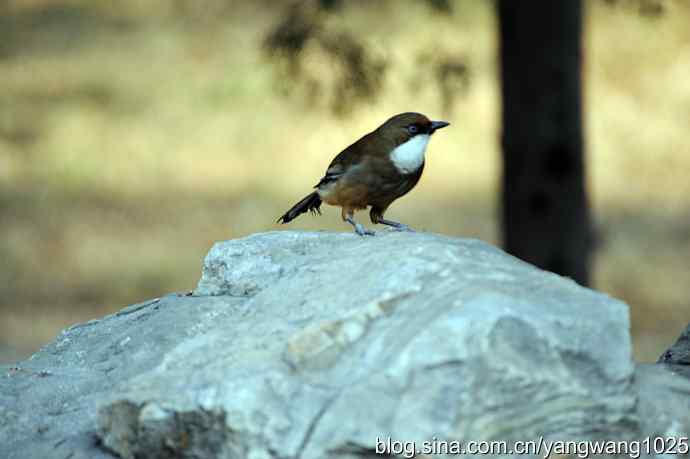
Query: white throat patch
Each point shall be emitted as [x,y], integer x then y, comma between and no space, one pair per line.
[409,156]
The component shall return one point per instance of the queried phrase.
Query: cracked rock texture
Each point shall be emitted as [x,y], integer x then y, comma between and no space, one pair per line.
[312,345]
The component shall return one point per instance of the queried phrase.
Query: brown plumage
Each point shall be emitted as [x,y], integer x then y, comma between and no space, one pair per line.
[374,171]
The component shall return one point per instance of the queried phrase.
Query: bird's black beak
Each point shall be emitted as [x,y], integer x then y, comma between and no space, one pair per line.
[438,125]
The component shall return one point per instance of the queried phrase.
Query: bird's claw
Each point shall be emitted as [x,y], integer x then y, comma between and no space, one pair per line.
[403,228]
[362,231]
[396,226]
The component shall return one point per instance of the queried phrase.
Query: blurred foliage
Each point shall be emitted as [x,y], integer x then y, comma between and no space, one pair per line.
[442,6]
[451,75]
[646,8]
[355,74]
[52,26]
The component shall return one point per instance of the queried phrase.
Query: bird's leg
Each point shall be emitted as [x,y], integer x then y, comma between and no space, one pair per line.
[348,216]
[376,215]
[397,225]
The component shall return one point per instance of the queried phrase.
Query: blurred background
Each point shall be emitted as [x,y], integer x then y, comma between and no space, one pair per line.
[134,134]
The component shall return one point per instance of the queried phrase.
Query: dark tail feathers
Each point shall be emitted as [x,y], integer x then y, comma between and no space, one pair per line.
[311,203]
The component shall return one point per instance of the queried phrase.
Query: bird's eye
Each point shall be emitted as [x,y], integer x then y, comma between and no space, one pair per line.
[412,129]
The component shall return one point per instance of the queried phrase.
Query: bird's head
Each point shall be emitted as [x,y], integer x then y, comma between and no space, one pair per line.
[408,134]
[405,126]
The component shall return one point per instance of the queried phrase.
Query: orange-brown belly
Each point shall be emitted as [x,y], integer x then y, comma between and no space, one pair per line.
[346,195]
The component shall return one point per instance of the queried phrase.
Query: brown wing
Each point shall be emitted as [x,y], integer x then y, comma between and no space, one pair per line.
[351,156]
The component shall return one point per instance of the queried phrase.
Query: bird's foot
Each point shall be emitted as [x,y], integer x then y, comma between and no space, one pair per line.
[359,228]
[396,226]
[402,227]
[362,231]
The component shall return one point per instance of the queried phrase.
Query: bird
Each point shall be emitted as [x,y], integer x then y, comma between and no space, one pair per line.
[377,169]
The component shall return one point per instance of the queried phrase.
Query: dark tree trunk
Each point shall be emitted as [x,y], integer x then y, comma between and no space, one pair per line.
[545,214]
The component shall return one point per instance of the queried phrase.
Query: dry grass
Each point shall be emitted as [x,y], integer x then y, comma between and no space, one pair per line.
[127,149]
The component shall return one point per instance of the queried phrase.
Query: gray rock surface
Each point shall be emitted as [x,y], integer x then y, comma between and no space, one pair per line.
[664,400]
[311,345]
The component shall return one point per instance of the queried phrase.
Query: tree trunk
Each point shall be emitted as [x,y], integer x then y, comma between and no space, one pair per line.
[545,215]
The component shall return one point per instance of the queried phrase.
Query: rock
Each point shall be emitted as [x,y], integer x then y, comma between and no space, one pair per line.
[679,353]
[664,400]
[312,345]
